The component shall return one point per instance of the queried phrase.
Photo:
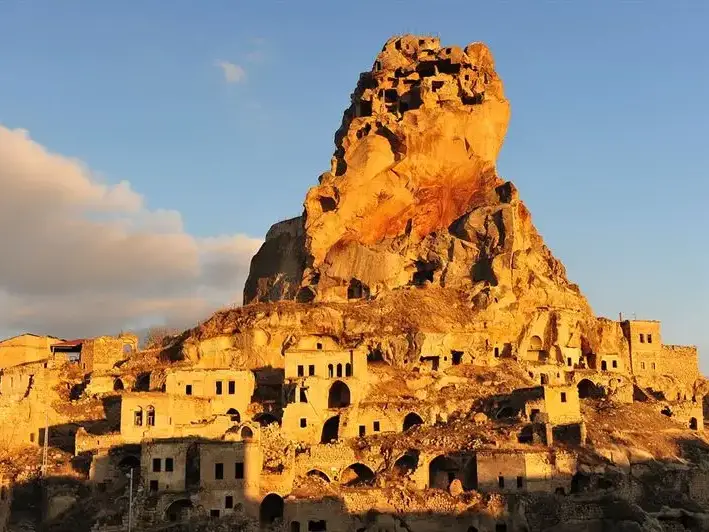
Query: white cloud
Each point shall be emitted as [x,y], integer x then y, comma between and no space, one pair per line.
[84,257]
[233,73]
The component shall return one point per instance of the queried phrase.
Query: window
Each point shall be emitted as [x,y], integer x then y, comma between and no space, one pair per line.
[169,465]
[615,363]
[232,387]
[157,465]
[339,370]
[569,362]
[218,387]
[501,481]
[348,370]
[317,526]
[376,426]
[32,437]
[301,371]
[497,352]
[642,365]
[228,501]
[563,397]
[330,370]
[138,417]
[239,470]
[311,370]
[362,430]
[303,422]
[653,365]
[188,389]
[294,526]
[649,338]
[153,485]
[213,513]
[520,482]
[151,417]
[218,471]
[319,345]
[303,398]
[642,338]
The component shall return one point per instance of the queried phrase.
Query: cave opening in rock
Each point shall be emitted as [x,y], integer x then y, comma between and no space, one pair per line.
[357,290]
[327,203]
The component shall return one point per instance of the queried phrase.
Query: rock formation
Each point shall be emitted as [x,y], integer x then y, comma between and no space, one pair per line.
[413,196]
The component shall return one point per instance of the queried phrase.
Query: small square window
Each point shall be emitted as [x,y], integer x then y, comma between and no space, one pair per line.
[188,389]
[376,426]
[218,387]
[615,363]
[303,422]
[228,501]
[501,481]
[169,465]
[311,370]
[301,371]
[157,465]
[153,485]
[213,513]
[218,471]
[362,430]
[239,470]
[232,387]
[319,345]
[520,482]
[563,397]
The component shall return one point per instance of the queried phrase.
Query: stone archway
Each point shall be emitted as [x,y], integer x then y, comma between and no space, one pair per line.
[330,430]
[589,390]
[339,395]
[356,475]
[441,472]
[412,419]
[179,510]
[271,509]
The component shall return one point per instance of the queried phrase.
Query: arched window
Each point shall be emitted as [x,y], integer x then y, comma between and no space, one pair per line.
[330,370]
[234,413]
[138,417]
[339,370]
[348,370]
[118,385]
[247,434]
[411,420]
[151,417]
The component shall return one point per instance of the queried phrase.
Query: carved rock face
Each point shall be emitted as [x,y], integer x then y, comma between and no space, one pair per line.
[413,197]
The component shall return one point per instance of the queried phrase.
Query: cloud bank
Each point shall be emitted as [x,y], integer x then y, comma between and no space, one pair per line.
[233,73]
[81,257]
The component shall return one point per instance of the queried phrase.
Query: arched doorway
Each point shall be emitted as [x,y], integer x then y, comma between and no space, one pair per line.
[179,510]
[339,395]
[411,420]
[588,389]
[129,462]
[234,415]
[356,475]
[118,385]
[441,472]
[330,430]
[406,463]
[316,473]
[271,509]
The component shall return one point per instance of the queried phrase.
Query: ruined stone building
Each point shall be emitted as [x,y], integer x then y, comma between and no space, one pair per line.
[411,357]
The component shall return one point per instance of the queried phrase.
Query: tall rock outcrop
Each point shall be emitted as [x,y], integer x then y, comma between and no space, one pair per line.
[413,197]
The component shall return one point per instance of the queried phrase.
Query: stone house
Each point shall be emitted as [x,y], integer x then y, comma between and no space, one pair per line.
[319,386]
[230,474]
[511,471]
[229,391]
[25,348]
[163,465]
[560,404]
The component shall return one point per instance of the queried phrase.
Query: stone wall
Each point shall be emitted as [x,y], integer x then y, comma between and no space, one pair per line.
[163,465]
[104,352]
[681,362]
[25,348]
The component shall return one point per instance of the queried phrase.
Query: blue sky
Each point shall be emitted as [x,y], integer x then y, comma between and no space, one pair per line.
[607,141]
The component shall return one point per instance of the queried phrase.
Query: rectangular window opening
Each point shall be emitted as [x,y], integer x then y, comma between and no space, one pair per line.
[501,481]
[153,485]
[376,426]
[219,471]
[520,482]
[303,422]
[157,465]
[362,430]
[188,389]
[228,501]
[239,470]
[301,371]
[563,397]
[169,465]
[232,387]
[218,387]
[311,370]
